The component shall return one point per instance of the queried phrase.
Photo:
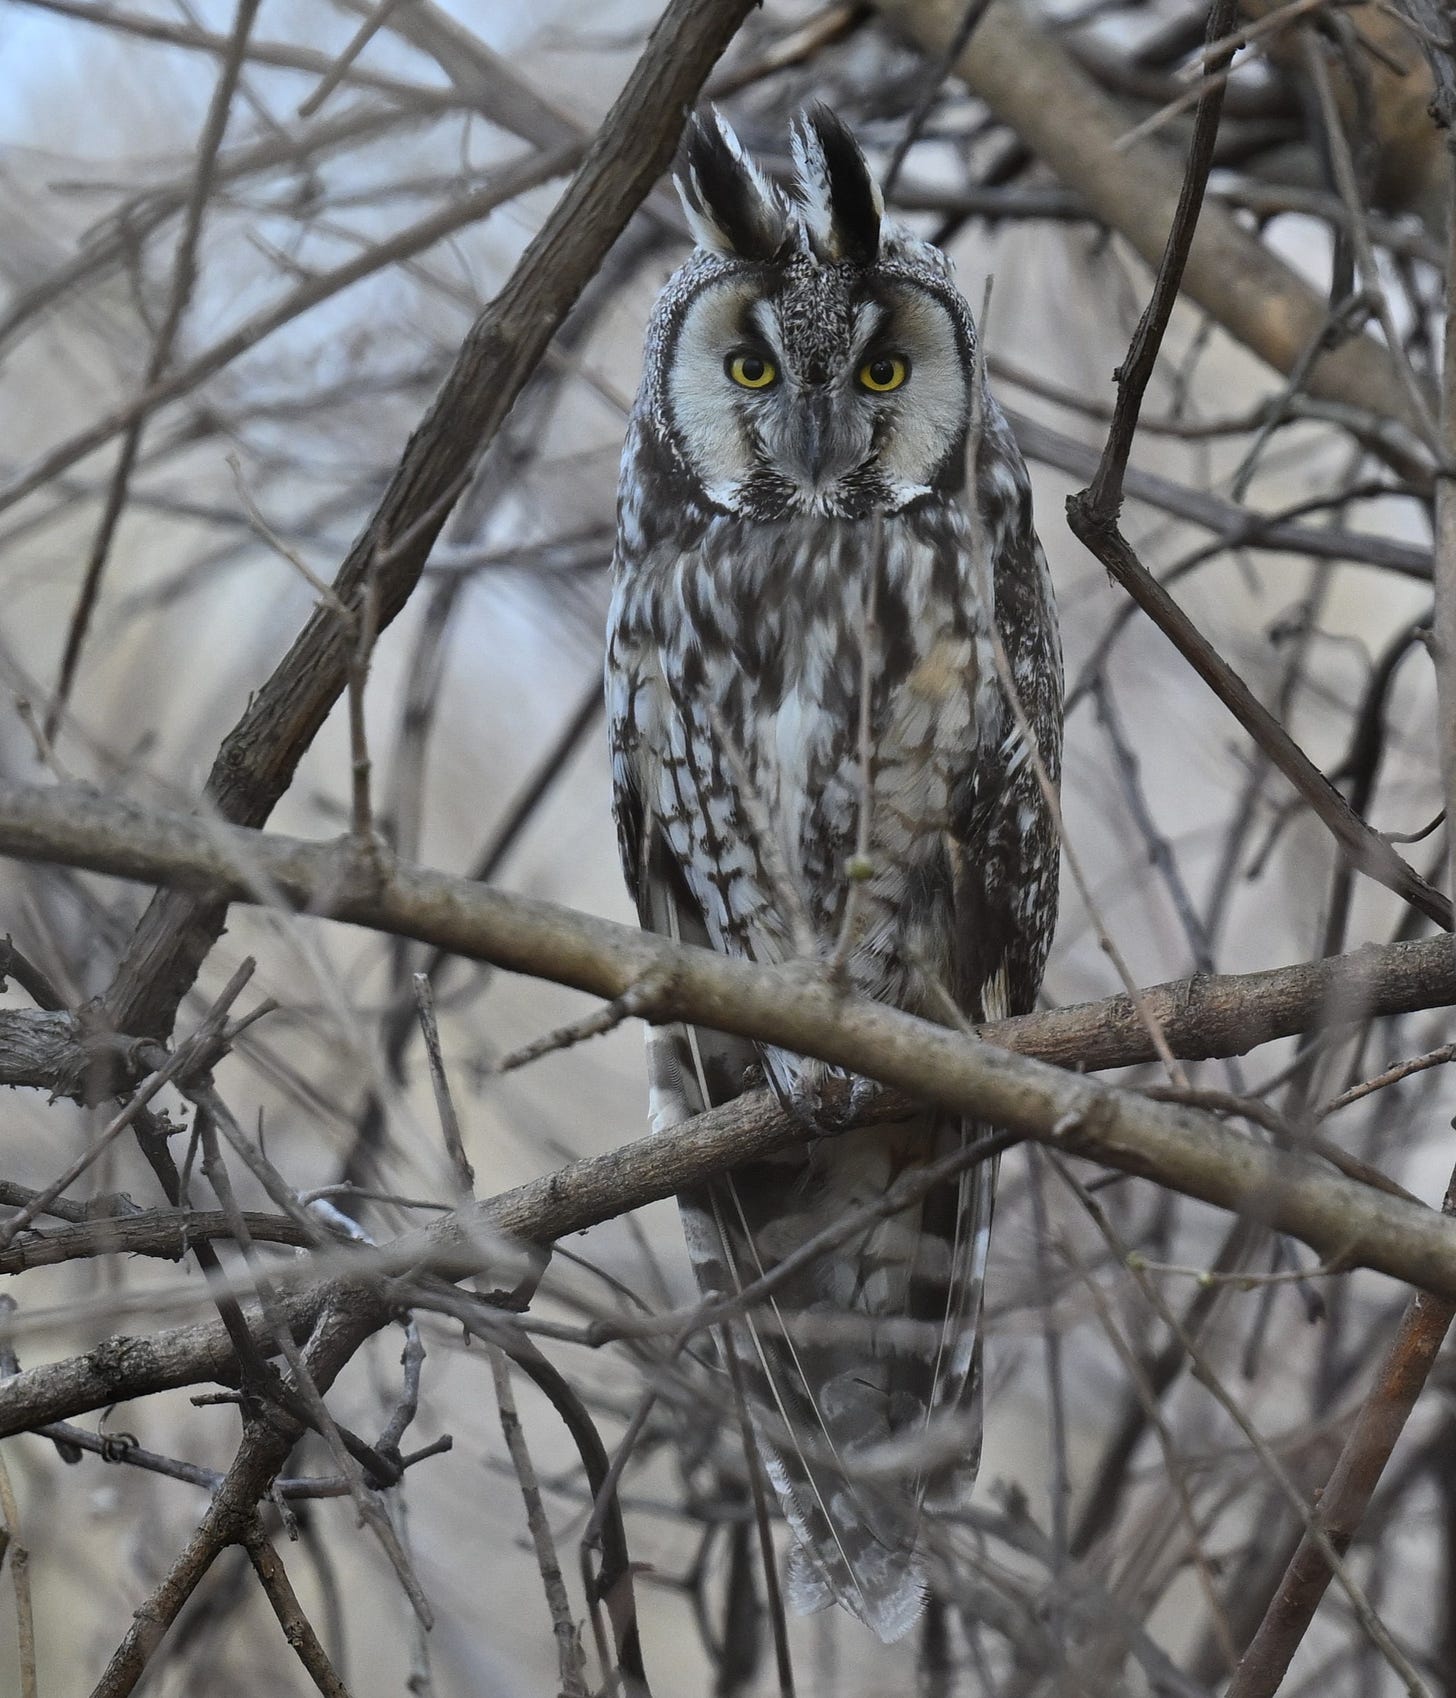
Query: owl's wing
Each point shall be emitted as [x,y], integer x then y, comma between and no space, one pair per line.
[1002,863]
[1005,841]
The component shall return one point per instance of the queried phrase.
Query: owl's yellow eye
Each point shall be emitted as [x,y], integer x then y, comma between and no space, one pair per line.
[752,371]
[884,374]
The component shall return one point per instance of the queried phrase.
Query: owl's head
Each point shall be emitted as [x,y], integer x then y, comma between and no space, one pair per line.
[811,356]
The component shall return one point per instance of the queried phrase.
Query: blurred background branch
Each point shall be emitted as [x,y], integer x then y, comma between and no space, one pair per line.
[318,331]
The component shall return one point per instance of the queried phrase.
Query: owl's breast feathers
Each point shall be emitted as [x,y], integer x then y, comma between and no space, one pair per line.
[768,681]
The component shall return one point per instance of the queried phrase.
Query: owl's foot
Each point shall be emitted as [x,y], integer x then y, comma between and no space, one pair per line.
[827,1100]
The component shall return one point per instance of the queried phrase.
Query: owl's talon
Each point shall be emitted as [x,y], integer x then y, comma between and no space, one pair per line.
[825,1100]
[862,1093]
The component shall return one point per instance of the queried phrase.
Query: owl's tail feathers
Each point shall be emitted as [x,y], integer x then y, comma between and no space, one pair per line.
[873,1571]
[819,1389]
[890,1418]
[861,1368]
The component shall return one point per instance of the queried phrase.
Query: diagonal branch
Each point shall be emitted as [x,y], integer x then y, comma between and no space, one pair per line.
[1346,1222]
[297,1628]
[1342,1504]
[1027,78]
[1093,516]
[343,1325]
[258,758]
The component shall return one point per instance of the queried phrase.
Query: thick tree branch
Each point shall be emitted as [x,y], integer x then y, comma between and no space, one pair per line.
[1343,1221]
[1209,1015]
[257,760]
[1183,1149]
[59,1051]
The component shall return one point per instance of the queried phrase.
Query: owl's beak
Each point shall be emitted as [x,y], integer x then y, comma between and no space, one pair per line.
[815,442]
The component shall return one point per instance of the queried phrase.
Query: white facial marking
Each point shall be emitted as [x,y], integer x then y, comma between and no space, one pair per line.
[932,407]
[701,395]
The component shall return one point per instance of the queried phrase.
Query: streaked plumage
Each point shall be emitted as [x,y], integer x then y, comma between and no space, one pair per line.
[796,563]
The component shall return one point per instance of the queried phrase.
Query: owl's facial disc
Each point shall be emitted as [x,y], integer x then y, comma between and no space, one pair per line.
[838,393]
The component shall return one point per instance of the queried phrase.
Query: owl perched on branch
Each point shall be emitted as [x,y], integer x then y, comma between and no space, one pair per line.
[831,630]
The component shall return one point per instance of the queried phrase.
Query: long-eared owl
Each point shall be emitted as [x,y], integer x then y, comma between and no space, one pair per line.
[815,753]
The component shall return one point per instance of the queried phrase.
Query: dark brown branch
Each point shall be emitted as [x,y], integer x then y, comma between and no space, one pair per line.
[1093,516]
[125,1366]
[258,758]
[106,1205]
[1104,495]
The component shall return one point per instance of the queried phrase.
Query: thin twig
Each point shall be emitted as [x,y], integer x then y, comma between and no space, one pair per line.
[297,1629]
[444,1101]
[17,1555]
[1391,1076]
[184,279]
[639,997]
[341,66]
[570,1661]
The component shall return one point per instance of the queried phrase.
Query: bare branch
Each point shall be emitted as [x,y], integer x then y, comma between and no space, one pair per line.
[258,759]
[1026,77]
[563,1626]
[297,1629]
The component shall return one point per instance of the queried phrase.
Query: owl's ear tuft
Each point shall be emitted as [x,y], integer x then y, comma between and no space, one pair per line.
[731,207]
[843,207]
